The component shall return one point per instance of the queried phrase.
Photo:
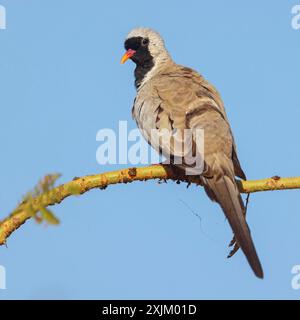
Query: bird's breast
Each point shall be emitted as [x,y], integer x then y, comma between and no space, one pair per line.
[145,111]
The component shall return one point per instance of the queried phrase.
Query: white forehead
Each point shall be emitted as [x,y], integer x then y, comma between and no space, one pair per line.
[153,36]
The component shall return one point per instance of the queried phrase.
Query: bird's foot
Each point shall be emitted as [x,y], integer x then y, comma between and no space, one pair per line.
[235,247]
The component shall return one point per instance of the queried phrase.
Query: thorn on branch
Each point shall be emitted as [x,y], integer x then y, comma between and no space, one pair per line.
[132,172]
[276,178]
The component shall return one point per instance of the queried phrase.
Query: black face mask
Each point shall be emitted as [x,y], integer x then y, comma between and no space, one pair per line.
[142,57]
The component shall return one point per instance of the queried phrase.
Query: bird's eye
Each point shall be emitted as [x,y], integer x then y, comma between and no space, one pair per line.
[145,41]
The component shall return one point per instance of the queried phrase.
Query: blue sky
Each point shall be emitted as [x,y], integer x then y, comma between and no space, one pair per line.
[61,81]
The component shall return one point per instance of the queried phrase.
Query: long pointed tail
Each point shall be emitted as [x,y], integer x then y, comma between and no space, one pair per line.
[223,190]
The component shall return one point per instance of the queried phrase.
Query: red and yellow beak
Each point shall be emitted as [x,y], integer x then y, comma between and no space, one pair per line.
[128,54]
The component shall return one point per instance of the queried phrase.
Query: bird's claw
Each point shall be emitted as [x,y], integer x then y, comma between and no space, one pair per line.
[235,247]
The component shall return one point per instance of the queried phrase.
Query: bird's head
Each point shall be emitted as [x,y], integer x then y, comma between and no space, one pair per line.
[145,46]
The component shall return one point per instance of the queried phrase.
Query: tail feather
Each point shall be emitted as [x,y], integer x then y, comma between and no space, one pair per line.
[223,190]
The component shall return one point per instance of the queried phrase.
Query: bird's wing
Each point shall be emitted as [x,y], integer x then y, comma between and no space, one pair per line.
[214,94]
[177,97]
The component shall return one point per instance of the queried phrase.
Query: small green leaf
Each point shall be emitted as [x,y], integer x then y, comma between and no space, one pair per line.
[48,216]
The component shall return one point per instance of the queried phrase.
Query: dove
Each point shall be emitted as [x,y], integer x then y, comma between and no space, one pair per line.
[177,98]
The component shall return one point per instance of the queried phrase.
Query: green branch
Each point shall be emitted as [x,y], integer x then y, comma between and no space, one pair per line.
[44,195]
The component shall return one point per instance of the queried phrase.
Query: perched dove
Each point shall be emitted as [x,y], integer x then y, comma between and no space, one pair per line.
[174,97]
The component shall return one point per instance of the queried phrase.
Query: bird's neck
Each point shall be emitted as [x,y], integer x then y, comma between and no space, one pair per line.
[145,71]
[141,71]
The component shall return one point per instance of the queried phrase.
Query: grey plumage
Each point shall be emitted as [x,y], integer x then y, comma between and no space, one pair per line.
[170,96]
